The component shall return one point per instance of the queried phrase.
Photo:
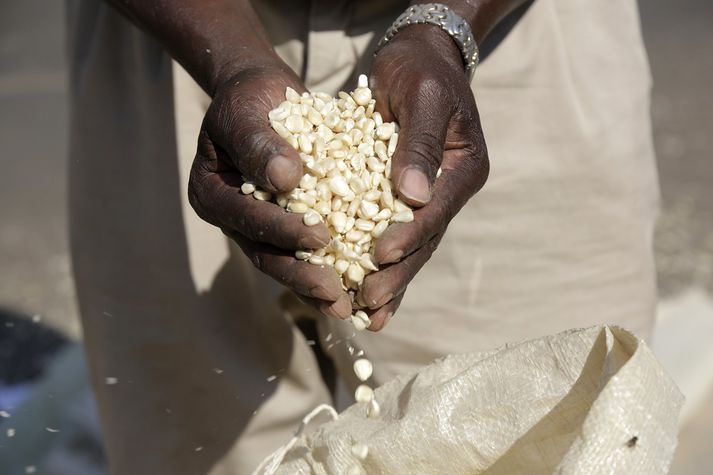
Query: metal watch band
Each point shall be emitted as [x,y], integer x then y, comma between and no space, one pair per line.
[439,15]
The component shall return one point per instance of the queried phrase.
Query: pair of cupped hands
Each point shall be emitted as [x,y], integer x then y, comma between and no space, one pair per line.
[418,81]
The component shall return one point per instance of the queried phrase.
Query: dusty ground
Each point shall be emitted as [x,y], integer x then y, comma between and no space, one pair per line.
[35,275]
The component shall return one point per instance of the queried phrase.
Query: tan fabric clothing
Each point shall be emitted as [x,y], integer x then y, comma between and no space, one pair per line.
[560,236]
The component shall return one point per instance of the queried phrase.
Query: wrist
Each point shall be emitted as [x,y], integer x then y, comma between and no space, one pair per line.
[227,71]
[425,37]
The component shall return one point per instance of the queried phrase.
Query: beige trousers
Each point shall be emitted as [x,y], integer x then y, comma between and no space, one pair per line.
[560,237]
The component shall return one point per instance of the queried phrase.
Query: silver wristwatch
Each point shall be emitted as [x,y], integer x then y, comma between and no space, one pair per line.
[443,17]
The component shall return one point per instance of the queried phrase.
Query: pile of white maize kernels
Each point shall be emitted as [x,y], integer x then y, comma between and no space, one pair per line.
[346,149]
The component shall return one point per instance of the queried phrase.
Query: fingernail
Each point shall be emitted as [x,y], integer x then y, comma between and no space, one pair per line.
[340,309]
[382,301]
[282,173]
[359,300]
[413,184]
[392,256]
[321,292]
[312,242]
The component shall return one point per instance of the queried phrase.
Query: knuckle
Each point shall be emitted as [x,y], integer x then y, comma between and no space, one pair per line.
[196,190]
[257,146]
[426,147]
[430,88]
[256,261]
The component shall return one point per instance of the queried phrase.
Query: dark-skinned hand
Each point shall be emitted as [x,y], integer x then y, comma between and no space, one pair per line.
[419,81]
[236,141]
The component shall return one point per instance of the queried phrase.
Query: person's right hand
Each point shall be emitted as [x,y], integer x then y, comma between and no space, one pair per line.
[236,140]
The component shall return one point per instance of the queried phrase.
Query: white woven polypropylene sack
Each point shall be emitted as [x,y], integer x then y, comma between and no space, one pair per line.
[583,401]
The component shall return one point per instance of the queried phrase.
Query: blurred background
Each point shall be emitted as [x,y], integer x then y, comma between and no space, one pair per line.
[39,328]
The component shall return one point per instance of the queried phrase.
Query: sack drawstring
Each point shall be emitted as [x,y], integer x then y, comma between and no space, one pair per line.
[270,465]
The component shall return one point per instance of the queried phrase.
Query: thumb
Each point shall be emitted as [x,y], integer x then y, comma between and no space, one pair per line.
[418,154]
[260,153]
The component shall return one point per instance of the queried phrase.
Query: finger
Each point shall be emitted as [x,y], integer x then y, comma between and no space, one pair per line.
[382,315]
[422,136]
[380,287]
[451,192]
[217,198]
[306,279]
[341,308]
[243,130]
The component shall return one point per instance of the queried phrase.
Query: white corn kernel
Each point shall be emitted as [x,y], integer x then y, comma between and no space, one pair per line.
[331,120]
[314,117]
[373,410]
[308,182]
[362,96]
[354,235]
[296,207]
[307,199]
[355,273]
[350,224]
[360,320]
[360,451]
[280,129]
[383,215]
[341,266]
[367,262]
[371,195]
[353,207]
[337,204]
[316,260]
[357,185]
[370,109]
[363,394]
[380,151]
[368,128]
[364,225]
[247,188]
[365,243]
[400,206]
[304,143]
[384,131]
[403,216]
[323,208]
[362,81]
[379,229]
[282,200]
[262,195]
[377,119]
[292,140]
[323,191]
[368,210]
[303,255]
[295,124]
[311,218]
[375,165]
[292,95]
[338,220]
[363,369]
[279,114]
[339,186]
[393,141]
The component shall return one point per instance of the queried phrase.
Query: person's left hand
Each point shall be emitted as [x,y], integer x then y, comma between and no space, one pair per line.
[419,81]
